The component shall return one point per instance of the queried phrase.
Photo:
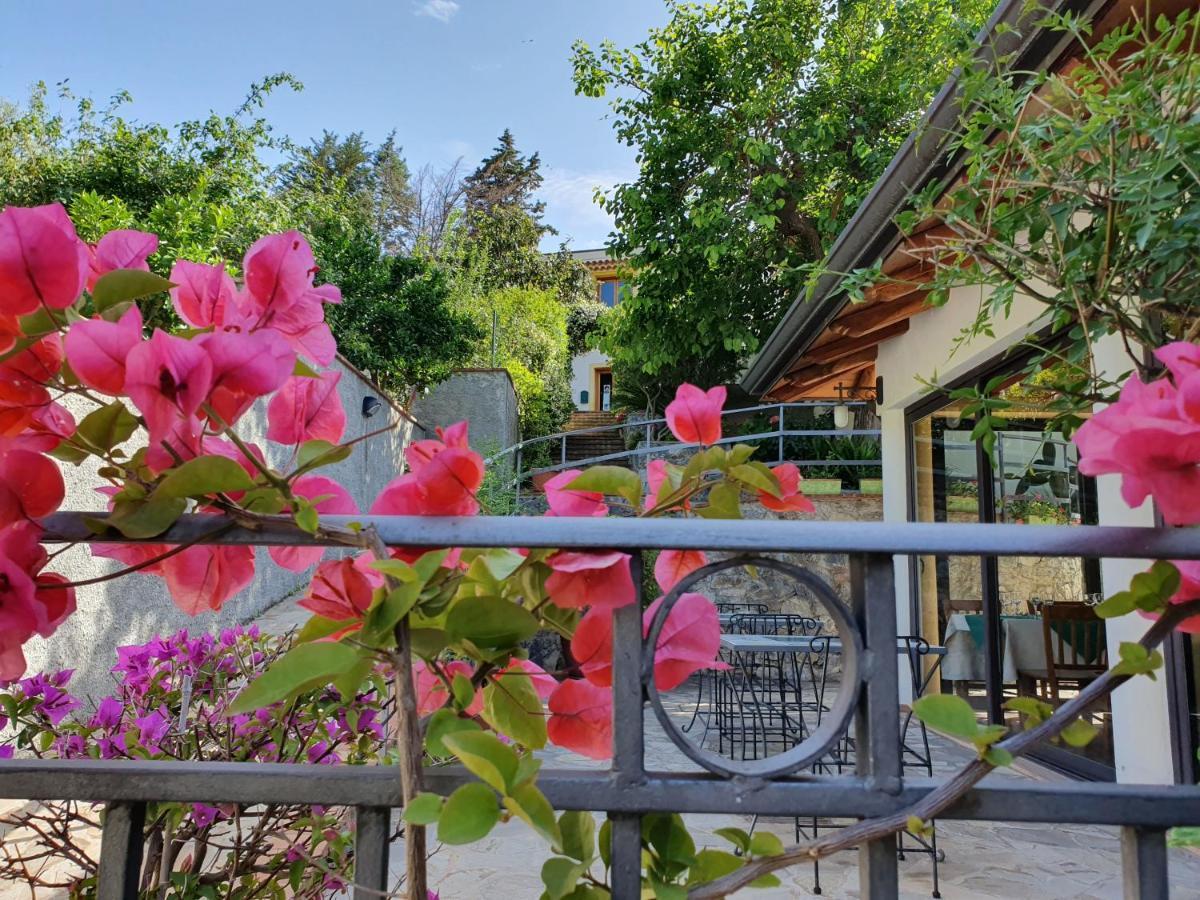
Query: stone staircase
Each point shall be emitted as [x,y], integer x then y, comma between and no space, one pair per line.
[587,446]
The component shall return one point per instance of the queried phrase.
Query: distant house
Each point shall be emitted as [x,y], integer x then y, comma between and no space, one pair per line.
[591,371]
[891,347]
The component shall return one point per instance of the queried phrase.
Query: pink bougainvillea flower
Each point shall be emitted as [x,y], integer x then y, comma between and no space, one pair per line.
[245,367]
[202,578]
[280,294]
[40,361]
[591,646]
[600,580]
[20,401]
[418,453]
[341,590]
[432,693]
[564,502]
[127,554]
[672,565]
[42,259]
[1189,589]
[581,718]
[30,603]
[790,498]
[1151,441]
[330,498]
[694,416]
[120,249]
[689,641]
[203,295]
[449,481]
[167,377]
[98,350]
[657,474]
[306,409]
[31,486]
[543,682]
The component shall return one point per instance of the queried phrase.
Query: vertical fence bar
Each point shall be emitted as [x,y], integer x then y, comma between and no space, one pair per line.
[517,481]
[628,764]
[1144,863]
[781,410]
[121,851]
[563,454]
[877,722]
[372,825]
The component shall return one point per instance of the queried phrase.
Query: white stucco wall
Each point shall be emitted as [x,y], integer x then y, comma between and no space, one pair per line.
[924,353]
[582,378]
[136,607]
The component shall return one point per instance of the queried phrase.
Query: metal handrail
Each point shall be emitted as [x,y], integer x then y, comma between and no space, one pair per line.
[650,447]
[627,791]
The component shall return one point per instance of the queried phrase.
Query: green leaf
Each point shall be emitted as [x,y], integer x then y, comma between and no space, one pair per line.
[756,476]
[604,843]
[265,500]
[918,827]
[304,370]
[145,518]
[948,714]
[489,622]
[764,843]
[485,757]
[711,865]
[1033,710]
[320,627]
[668,837]
[998,756]
[424,809]
[512,707]
[305,515]
[612,480]
[531,806]
[1118,604]
[69,453]
[428,642]
[125,285]
[705,461]
[383,616]
[349,682]
[462,690]
[1137,660]
[765,881]
[304,666]
[560,876]
[735,836]
[1079,733]
[578,835]
[724,502]
[108,426]
[445,722]
[203,476]
[469,814]
[314,454]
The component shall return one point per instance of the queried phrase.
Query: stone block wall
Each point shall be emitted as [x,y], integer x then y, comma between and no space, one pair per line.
[485,398]
[136,607]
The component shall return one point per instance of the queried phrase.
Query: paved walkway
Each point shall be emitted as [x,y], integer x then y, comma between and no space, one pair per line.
[997,861]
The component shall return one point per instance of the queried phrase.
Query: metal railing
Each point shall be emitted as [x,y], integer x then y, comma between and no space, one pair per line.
[656,440]
[627,791]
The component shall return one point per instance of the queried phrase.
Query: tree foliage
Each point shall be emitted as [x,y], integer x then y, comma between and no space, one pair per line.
[759,127]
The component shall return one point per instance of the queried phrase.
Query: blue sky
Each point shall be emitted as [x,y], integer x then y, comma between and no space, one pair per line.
[448,75]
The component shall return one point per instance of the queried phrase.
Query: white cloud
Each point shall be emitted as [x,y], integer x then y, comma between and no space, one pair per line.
[572,209]
[442,10]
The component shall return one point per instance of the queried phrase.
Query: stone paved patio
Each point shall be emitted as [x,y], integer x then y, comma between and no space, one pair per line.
[997,861]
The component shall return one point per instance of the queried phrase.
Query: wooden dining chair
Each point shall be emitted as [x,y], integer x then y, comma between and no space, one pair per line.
[1076,646]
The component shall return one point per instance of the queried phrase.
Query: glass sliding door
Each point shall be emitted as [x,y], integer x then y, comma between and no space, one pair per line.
[1012,626]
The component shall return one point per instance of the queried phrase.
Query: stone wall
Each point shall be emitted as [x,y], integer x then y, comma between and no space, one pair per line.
[135,607]
[483,397]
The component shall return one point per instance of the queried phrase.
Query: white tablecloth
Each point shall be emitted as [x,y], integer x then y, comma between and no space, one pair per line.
[1023,649]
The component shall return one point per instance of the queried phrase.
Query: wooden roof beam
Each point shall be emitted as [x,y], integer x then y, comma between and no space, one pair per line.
[792,390]
[899,285]
[846,363]
[831,350]
[862,320]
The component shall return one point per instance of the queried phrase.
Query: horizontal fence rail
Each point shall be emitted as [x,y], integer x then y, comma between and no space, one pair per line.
[627,791]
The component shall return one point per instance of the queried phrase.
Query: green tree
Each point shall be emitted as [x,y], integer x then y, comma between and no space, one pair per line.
[759,127]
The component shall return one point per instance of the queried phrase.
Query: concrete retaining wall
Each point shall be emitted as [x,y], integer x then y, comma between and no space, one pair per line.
[134,608]
[485,398]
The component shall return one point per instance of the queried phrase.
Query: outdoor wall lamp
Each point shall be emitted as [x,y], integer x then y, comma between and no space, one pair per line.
[841,412]
[370,406]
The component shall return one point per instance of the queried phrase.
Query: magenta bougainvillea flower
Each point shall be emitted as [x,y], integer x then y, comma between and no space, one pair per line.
[167,378]
[123,248]
[599,580]
[98,350]
[42,260]
[307,409]
[790,499]
[1151,438]
[694,416]
[564,502]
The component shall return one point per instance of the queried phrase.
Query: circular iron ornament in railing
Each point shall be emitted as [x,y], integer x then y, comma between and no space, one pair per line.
[833,724]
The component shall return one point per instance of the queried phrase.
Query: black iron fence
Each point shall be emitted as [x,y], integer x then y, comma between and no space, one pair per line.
[627,791]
